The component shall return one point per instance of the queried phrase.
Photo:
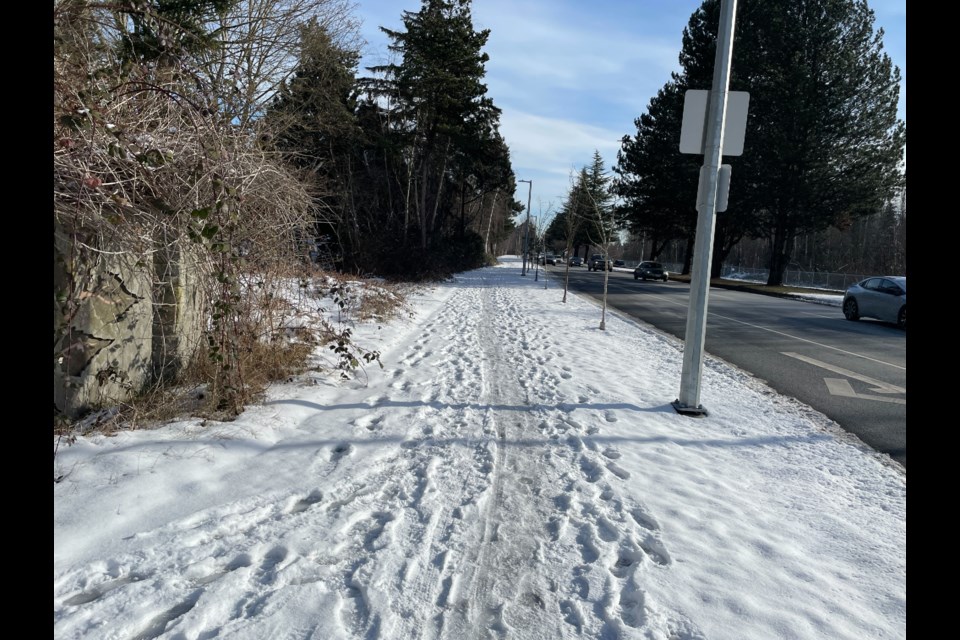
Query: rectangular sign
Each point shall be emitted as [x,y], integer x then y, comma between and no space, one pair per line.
[695,117]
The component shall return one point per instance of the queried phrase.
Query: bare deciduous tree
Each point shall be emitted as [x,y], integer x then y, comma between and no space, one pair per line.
[259,42]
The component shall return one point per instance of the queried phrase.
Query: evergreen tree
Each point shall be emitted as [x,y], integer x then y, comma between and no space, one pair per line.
[312,115]
[439,102]
[572,223]
[823,144]
[602,224]
[657,184]
[312,122]
[163,30]
[586,216]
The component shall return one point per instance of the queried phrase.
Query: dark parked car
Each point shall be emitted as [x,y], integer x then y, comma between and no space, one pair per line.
[597,263]
[881,298]
[619,263]
[650,271]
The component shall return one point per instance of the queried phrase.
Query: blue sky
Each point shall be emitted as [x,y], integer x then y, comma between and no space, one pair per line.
[571,76]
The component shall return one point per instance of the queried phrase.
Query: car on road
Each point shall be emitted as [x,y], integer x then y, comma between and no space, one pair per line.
[649,270]
[576,261]
[549,259]
[619,263]
[597,263]
[882,298]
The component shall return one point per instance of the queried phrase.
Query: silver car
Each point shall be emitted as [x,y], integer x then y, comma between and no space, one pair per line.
[882,298]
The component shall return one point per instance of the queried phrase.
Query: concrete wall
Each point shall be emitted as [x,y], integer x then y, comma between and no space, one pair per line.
[122,321]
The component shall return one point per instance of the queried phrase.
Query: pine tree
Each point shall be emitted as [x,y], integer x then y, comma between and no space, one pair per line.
[602,224]
[312,123]
[163,30]
[439,101]
[823,144]
[312,114]
[657,185]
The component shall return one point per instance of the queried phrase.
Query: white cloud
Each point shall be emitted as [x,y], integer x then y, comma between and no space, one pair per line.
[552,149]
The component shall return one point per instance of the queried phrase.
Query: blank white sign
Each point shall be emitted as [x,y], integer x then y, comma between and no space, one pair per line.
[695,117]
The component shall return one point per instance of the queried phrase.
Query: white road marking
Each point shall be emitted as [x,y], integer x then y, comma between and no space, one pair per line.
[840,387]
[878,386]
[787,335]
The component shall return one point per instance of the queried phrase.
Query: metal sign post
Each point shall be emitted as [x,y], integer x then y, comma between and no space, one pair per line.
[689,401]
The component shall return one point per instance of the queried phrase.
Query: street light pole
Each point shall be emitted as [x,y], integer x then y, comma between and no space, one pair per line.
[526,227]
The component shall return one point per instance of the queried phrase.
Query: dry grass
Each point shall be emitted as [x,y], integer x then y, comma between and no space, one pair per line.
[278,341]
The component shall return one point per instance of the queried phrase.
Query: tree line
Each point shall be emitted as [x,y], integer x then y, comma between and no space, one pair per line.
[823,152]
[414,178]
[405,168]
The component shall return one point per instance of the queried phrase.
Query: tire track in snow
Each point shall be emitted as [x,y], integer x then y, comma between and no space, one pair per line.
[596,532]
[504,588]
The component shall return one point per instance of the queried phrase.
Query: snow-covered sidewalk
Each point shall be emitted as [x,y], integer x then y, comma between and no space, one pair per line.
[513,472]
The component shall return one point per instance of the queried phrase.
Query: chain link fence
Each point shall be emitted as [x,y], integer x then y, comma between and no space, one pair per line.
[795,278]
[791,277]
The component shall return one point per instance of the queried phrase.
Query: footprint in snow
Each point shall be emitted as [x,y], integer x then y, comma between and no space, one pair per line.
[562,502]
[101,589]
[370,423]
[629,557]
[572,615]
[306,502]
[341,450]
[587,541]
[632,607]
[607,530]
[618,471]
[591,470]
[644,519]
[401,385]
[655,550]
[270,561]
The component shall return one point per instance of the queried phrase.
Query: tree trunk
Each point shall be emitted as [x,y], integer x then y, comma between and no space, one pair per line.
[463,222]
[688,256]
[779,255]
[406,201]
[720,252]
[657,247]
[436,202]
[493,207]
[424,188]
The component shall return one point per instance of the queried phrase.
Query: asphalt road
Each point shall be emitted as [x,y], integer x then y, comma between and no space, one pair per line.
[853,372]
